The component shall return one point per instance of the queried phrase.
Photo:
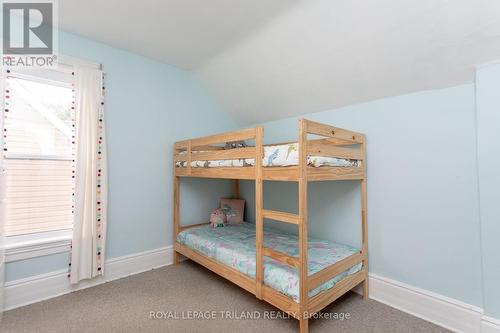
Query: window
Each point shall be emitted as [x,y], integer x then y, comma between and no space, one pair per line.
[38,148]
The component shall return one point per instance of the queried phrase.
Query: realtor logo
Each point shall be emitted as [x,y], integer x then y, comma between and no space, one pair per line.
[29,33]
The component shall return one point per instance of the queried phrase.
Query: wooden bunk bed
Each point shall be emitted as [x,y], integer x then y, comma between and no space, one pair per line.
[333,142]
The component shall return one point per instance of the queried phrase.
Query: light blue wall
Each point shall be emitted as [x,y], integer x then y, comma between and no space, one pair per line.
[282,196]
[488,129]
[149,105]
[423,212]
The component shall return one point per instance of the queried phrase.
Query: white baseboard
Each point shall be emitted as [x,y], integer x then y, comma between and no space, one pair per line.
[41,287]
[435,308]
[443,311]
[490,325]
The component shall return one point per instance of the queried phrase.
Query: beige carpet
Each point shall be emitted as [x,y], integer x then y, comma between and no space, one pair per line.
[124,306]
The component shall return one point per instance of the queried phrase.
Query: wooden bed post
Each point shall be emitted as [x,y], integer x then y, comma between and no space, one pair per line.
[176,214]
[304,292]
[259,220]
[364,224]
[236,189]
[189,157]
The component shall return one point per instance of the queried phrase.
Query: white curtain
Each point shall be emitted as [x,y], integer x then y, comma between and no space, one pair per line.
[89,230]
[3,187]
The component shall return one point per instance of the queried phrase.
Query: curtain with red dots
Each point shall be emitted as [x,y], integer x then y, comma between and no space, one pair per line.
[89,229]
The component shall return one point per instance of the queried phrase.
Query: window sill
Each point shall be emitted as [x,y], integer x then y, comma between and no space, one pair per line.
[36,245]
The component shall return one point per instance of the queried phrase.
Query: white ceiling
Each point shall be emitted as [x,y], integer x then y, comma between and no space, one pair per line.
[184,33]
[266,60]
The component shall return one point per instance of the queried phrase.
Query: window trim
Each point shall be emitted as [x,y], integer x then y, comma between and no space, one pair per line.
[22,247]
[39,244]
[72,62]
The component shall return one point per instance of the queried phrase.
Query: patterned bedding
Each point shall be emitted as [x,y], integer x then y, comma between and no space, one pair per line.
[278,155]
[234,246]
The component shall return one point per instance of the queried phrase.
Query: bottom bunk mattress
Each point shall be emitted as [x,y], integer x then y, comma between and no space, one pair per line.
[234,246]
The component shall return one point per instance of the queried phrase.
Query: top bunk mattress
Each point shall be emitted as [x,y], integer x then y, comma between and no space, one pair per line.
[234,246]
[275,155]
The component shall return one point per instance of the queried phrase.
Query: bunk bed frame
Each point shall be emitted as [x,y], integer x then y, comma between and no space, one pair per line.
[334,142]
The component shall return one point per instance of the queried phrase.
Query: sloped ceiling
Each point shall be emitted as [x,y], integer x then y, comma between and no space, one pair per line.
[266,60]
[185,33]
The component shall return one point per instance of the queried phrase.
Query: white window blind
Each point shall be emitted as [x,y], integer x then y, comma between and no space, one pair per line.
[39,151]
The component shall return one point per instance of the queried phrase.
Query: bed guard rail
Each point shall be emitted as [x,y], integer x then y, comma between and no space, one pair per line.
[337,142]
[210,148]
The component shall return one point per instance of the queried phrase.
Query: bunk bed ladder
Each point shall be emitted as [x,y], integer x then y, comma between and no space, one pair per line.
[299,219]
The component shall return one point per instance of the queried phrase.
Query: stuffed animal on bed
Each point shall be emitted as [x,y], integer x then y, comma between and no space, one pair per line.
[235,144]
[218,218]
